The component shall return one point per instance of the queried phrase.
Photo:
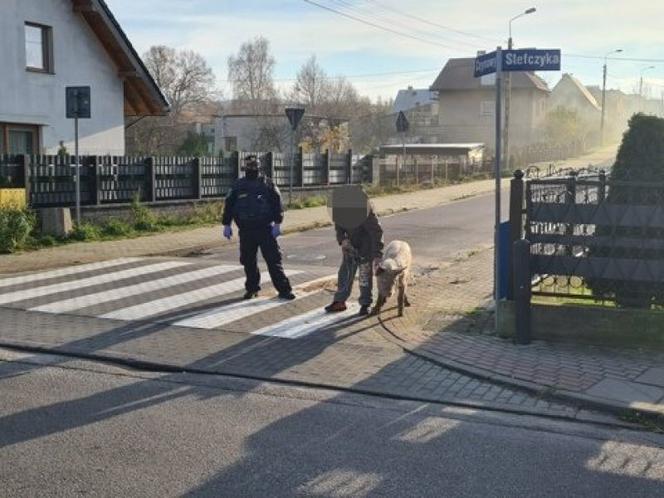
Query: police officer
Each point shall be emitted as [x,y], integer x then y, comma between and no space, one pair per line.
[254,203]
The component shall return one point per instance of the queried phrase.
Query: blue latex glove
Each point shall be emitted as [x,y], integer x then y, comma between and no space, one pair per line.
[276,230]
[228,232]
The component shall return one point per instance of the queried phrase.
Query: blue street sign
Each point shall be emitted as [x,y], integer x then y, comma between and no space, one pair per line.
[531,60]
[519,60]
[485,64]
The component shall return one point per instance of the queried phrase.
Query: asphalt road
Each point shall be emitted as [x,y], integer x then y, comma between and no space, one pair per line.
[436,235]
[91,429]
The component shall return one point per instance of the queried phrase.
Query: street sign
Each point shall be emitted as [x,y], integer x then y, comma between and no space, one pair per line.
[485,64]
[78,102]
[294,116]
[531,60]
[519,60]
[402,123]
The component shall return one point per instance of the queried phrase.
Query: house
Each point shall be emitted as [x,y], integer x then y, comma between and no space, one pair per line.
[467,105]
[412,98]
[48,45]
[571,94]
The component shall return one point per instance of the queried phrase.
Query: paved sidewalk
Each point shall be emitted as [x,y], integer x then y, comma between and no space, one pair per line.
[450,325]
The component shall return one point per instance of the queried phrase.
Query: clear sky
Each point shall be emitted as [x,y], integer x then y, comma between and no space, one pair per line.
[296,29]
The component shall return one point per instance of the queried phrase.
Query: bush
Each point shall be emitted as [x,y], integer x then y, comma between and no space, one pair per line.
[207,212]
[636,174]
[85,232]
[116,228]
[143,218]
[15,227]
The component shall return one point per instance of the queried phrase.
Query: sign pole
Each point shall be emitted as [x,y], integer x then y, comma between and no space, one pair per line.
[292,168]
[497,171]
[78,174]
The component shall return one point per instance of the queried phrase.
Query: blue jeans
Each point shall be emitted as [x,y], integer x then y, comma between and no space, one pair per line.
[349,267]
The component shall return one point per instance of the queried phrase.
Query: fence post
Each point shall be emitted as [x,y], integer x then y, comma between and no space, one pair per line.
[326,167]
[522,291]
[95,180]
[570,200]
[235,164]
[349,167]
[151,179]
[25,173]
[601,191]
[299,167]
[268,167]
[198,178]
[516,223]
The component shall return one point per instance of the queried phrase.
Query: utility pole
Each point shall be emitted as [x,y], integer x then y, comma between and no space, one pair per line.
[601,126]
[508,94]
[641,106]
[497,170]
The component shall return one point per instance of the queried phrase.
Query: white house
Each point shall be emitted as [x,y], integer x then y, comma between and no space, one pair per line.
[47,45]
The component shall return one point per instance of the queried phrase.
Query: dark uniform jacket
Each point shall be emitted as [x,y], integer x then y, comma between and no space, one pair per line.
[366,239]
[253,204]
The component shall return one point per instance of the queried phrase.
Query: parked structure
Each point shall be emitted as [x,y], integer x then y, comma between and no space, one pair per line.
[467,105]
[48,45]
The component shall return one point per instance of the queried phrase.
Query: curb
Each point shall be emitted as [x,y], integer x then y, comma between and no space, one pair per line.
[550,392]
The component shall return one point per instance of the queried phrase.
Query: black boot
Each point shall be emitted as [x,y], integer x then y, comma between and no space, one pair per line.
[250,295]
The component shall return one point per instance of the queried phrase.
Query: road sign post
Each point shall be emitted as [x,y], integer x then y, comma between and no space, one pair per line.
[294,115]
[499,62]
[78,106]
[402,127]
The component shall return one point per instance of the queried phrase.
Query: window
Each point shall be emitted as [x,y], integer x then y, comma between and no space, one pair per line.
[19,139]
[38,48]
[487,108]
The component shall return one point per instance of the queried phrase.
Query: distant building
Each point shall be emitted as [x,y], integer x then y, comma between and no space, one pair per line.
[46,46]
[467,105]
[412,98]
[570,93]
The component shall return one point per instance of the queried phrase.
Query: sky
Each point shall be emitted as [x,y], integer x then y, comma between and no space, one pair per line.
[424,34]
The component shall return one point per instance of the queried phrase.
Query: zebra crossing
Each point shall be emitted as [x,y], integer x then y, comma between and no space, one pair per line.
[178,292]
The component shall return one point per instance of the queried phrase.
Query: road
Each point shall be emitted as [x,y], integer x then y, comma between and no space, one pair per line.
[80,428]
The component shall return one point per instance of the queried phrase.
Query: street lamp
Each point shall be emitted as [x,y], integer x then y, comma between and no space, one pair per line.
[643,70]
[601,127]
[508,93]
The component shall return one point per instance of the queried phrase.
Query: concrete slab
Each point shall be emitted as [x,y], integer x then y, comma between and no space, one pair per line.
[625,391]
[653,376]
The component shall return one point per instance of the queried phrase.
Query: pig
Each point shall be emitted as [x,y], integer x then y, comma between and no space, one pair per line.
[394,268]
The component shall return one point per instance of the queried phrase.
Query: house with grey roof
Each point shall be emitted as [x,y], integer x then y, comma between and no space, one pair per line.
[467,105]
[46,46]
[412,98]
[571,94]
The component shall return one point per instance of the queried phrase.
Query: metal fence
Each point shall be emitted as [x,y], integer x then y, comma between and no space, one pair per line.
[429,169]
[50,180]
[592,237]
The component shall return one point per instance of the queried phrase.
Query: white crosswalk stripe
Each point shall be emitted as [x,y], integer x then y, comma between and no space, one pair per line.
[163,305]
[117,293]
[64,272]
[306,323]
[15,296]
[221,315]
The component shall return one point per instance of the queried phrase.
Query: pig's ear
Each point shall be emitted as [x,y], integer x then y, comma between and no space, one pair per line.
[379,270]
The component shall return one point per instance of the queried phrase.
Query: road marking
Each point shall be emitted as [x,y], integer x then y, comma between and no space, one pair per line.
[221,315]
[306,323]
[62,272]
[11,297]
[158,306]
[133,290]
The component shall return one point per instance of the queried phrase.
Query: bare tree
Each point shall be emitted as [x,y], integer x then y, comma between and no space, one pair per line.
[251,75]
[189,85]
[311,86]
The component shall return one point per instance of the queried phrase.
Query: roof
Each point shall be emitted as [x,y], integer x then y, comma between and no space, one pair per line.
[458,74]
[432,149]
[143,97]
[580,87]
[412,97]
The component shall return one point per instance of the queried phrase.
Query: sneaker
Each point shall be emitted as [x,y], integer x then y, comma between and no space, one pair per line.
[335,307]
[364,311]
[250,295]
[289,296]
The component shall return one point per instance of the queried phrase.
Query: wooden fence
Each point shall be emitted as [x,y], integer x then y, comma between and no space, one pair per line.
[50,180]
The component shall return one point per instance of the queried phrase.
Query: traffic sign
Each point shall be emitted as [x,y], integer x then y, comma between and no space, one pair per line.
[402,123]
[519,60]
[531,60]
[78,102]
[294,116]
[485,64]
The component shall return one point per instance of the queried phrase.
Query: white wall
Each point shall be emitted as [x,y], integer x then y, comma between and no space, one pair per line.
[79,60]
